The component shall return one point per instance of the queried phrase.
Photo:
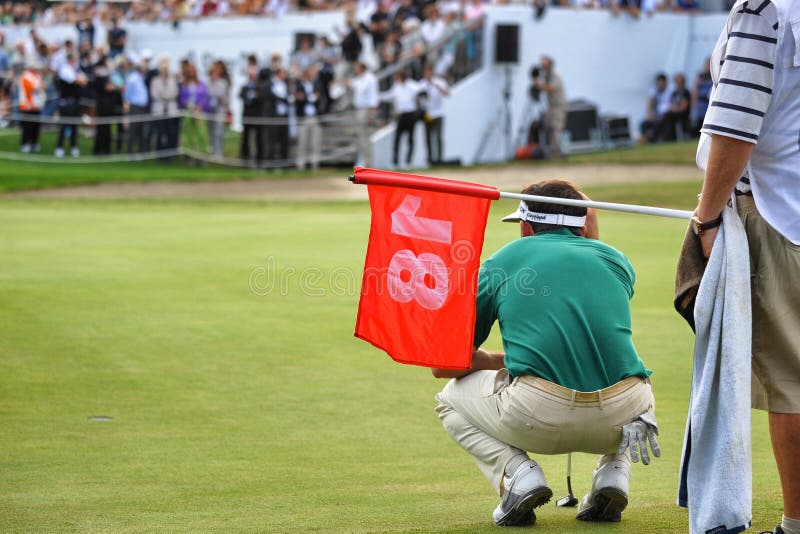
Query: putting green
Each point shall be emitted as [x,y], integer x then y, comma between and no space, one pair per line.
[156,376]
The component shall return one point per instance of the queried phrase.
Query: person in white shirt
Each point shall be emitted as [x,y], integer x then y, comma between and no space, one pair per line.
[658,102]
[223,8]
[30,43]
[278,146]
[473,10]
[403,96]
[432,32]
[447,54]
[436,90]
[309,132]
[276,8]
[749,147]
[58,58]
[70,81]
[412,47]
[365,8]
[365,100]
[305,56]
[432,29]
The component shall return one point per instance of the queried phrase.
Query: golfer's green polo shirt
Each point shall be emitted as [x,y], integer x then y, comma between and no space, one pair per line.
[563,305]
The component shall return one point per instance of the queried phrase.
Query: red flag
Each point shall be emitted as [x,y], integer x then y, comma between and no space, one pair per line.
[420,275]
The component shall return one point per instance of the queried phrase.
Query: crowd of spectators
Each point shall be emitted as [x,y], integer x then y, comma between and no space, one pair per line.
[135,101]
[47,13]
[411,35]
[173,11]
[675,112]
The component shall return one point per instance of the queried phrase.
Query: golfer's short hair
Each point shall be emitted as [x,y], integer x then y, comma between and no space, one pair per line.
[557,189]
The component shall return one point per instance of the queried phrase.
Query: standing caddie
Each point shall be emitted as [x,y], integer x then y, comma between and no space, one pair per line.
[570,379]
[750,148]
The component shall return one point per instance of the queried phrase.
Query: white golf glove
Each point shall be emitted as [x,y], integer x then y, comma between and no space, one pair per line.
[635,436]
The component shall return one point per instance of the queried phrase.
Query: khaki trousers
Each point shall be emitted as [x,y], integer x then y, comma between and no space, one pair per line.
[364,144]
[554,121]
[309,142]
[495,418]
[774,270]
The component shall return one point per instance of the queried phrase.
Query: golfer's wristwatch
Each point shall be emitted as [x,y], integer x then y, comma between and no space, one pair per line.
[699,227]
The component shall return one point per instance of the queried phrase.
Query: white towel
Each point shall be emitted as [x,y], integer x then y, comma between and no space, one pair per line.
[715,481]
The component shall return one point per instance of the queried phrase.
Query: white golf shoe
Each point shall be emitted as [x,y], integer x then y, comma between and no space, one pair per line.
[59,153]
[609,494]
[520,493]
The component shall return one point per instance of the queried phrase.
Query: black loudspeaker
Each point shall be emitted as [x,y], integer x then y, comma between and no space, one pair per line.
[582,119]
[506,43]
[617,130]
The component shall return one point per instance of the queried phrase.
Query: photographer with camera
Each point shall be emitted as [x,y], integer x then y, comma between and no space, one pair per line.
[546,80]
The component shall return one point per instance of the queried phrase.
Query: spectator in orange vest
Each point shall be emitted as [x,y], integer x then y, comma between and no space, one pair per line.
[31,101]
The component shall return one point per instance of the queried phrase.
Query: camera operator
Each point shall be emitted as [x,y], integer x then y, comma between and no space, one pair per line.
[545,79]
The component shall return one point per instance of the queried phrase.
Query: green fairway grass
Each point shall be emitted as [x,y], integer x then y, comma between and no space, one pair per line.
[678,152]
[218,337]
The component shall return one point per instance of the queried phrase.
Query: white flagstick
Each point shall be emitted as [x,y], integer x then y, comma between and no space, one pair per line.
[628,208]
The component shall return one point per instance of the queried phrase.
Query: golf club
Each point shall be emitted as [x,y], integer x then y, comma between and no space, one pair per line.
[569,500]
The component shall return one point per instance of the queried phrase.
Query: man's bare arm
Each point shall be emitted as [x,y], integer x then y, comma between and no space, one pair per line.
[726,162]
[591,229]
[481,361]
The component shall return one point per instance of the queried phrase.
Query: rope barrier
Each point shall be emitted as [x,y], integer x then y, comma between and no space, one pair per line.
[169,153]
[329,119]
[115,158]
[228,161]
[91,121]
[266,164]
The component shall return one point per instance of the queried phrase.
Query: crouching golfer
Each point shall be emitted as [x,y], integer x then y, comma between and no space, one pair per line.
[570,379]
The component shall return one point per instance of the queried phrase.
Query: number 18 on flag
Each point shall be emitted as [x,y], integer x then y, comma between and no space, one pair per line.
[420,275]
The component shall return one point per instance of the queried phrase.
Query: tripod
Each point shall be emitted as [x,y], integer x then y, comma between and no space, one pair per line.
[501,122]
[531,113]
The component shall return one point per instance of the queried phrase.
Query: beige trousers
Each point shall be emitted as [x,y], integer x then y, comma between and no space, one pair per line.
[309,142]
[554,121]
[364,144]
[774,270]
[495,418]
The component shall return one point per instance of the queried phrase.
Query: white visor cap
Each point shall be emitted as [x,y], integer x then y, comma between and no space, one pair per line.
[523,213]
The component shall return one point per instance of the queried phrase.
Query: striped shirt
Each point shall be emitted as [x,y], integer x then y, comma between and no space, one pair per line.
[756,72]
[743,69]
